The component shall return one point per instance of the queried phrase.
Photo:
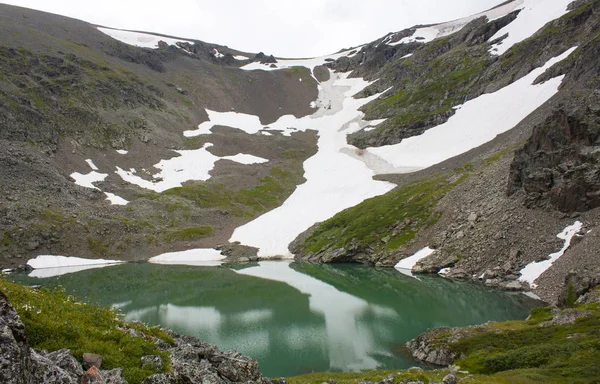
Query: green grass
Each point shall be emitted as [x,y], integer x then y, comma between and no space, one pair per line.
[568,352]
[270,193]
[54,321]
[509,352]
[188,234]
[397,216]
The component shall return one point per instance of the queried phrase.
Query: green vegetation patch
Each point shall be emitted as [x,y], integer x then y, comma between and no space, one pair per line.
[385,222]
[188,234]
[564,352]
[269,194]
[429,88]
[54,321]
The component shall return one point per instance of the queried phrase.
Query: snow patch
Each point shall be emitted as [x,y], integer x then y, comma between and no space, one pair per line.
[91,164]
[88,179]
[409,262]
[533,16]
[535,269]
[217,54]
[193,257]
[115,200]
[240,57]
[49,261]
[189,165]
[59,271]
[474,123]
[122,152]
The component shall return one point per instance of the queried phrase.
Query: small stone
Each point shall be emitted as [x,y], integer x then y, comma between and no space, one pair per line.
[513,286]
[459,235]
[473,218]
[91,360]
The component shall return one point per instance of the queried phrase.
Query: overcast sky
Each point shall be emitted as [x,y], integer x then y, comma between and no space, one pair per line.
[285,28]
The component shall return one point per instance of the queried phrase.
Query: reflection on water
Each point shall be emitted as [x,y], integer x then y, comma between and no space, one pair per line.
[350,343]
[294,318]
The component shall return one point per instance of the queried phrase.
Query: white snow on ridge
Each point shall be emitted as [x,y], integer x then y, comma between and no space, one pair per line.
[335,181]
[193,257]
[218,54]
[49,261]
[309,63]
[409,262]
[139,39]
[193,164]
[240,57]
[533,16]
[474,123]
[427,34]
[535,269]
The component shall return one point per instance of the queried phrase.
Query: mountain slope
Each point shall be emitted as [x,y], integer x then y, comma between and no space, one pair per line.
[480,225]
[70,93]
[140,144]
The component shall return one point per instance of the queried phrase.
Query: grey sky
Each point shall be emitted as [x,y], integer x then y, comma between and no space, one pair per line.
[288,28]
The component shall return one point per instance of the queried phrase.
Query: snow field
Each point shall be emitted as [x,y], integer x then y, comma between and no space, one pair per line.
[533,16]
[335,181]
[474,123]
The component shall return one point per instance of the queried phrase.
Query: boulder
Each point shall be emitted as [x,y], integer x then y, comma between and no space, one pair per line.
[44,371]
[64,359]
[427,348]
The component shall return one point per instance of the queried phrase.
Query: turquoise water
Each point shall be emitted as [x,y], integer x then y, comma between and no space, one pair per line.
[294,318]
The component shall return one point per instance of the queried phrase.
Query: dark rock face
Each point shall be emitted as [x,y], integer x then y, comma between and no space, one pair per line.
[560,164]
[264,59]
[19,364]
[14,351]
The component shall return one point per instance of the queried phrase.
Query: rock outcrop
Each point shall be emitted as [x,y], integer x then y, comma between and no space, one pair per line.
[559,166]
